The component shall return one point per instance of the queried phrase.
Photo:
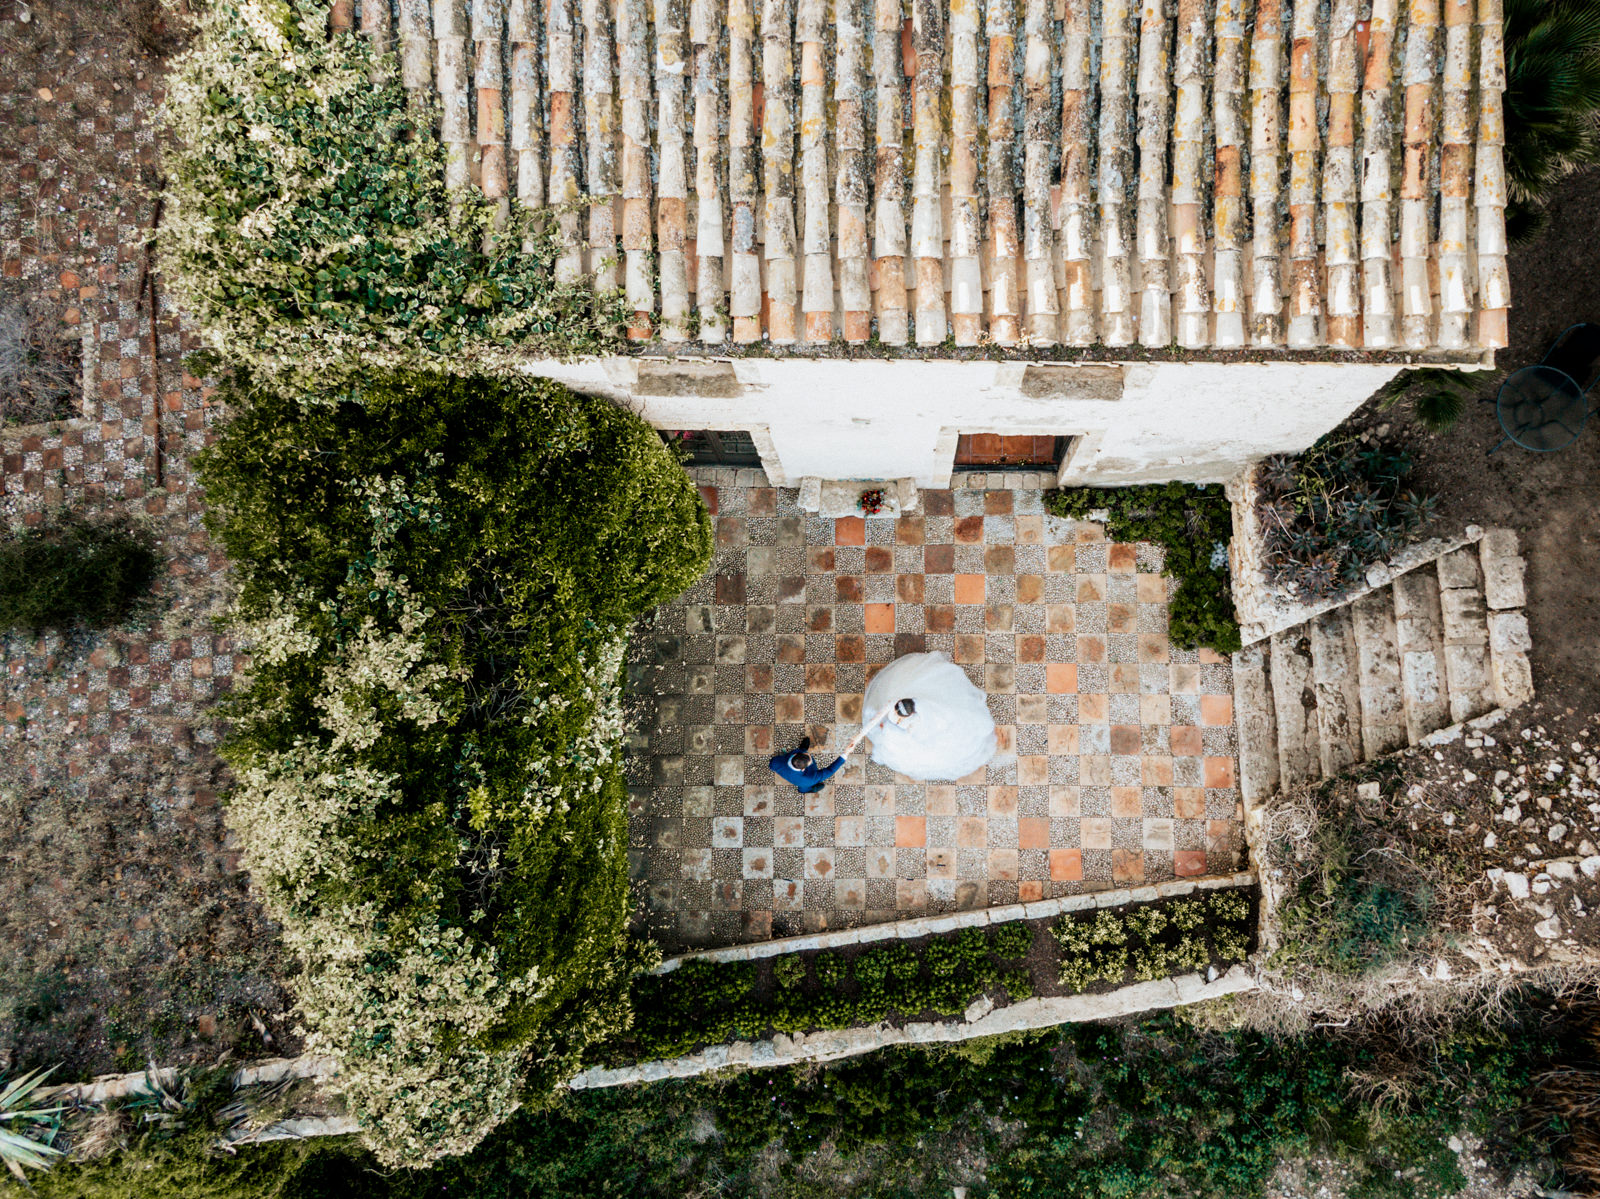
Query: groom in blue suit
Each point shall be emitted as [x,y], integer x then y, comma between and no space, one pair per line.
[801,769]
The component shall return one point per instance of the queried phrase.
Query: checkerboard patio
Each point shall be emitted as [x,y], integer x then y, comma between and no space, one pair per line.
[1117,759]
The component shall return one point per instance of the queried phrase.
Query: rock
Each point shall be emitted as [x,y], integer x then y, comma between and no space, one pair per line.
[1490,840]
[1558,833]
[1541,884]
[1549,929]
[1455,1145]
[1369,791]
[1590,866]
[1565,871]
[1468,777]
[1517,885]
[978,1009]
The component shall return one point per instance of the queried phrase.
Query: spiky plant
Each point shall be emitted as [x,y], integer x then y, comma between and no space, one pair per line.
[1552,100]
[1437,396]
[22,1126]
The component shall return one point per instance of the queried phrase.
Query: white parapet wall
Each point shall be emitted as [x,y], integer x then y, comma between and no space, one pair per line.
[1136,422]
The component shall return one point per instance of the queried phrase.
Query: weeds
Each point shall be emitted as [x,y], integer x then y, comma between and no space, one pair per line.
[39,371]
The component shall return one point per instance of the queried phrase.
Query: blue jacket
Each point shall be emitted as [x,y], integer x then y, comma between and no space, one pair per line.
[808,780]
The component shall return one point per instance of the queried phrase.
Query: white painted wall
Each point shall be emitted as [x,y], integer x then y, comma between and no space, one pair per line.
[1197,422]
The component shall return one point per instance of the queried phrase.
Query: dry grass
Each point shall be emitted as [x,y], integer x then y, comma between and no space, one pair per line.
[39,370]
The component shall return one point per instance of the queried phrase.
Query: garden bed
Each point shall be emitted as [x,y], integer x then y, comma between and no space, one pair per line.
[705,1002]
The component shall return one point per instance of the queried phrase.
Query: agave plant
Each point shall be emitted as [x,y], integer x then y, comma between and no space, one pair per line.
[26,1131]
[1278,475]
[1437,398]
[1552,99]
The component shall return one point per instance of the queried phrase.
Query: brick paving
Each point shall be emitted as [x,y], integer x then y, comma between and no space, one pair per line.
[1117,758]
[120,724]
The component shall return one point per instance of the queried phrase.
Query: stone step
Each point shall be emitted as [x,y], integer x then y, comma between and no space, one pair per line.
[1466,635]
[1509,644]
[1258,734]
[1421,643]
[1338,687]
[1502,570]
[1294,702]
[1383,705]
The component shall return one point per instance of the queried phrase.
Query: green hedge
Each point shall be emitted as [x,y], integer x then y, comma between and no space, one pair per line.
[72,571]
[436,578]
[1189,522]
[307,216]
[706,1002]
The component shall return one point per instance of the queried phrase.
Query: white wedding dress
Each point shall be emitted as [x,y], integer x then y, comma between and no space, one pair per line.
[950,735]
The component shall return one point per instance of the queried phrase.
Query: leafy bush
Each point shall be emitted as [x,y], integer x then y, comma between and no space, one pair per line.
[75,571]
[1330,513]
[436,576]
[705,1002]
[1192,525]
[1552,100]
[1155,940]
[308,219]
[1437,397]
[1135,1110]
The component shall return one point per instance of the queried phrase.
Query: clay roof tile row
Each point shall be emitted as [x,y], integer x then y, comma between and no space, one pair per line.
[1039,171]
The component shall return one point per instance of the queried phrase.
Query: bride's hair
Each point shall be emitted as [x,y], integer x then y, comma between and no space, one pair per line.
[905,707]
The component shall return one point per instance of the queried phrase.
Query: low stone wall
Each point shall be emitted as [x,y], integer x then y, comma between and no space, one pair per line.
[927,926]
[981,1020]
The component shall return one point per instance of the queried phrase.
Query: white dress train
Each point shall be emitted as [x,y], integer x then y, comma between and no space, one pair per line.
[951,733]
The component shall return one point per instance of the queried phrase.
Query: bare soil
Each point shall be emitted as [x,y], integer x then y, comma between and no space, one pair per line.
[1552,500]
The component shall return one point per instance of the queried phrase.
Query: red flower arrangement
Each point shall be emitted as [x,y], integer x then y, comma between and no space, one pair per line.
[872,502]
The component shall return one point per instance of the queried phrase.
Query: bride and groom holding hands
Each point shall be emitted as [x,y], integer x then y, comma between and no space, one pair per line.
[931,723]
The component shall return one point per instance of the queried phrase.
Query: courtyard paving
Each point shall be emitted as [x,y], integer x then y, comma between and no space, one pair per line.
[1117,759]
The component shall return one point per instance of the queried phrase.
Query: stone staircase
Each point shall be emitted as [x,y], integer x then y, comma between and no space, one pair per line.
[1444,642]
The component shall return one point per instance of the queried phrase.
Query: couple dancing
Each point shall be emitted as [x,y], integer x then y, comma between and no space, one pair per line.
[930,723]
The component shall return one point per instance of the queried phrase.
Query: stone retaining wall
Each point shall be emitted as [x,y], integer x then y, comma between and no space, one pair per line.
[981,1020]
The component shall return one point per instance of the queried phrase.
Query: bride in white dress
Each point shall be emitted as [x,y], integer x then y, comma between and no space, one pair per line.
[944,733]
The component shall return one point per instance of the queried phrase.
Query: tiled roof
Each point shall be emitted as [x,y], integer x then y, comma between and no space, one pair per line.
[1215,173]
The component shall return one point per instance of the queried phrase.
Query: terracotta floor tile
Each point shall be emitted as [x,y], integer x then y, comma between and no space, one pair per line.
[969,530]
[1127,865]
[1002,801]
[1062,740]
[850,530]
[1030,649]
[1186,863]
[1155,710]
[969,589]
[1030,891]
[1189,803]
[1127,803]
[1125,739]
[1122,558]
[939,559]
[1064,803]
[972,832]
[1186,740]
[938,502]
[1216,709]
[939,618]
[1003,865]
[908,589]
[1066,865]
[1093,709]
[969,647]
[1033,832]
[1156,771]
[1030,589]
[1154,648]
[819,618]
[1061,559]
[850,647]
[880,618]
[1095,832]
[880,559]
[1033,770]
[908,530]
[910,832]
[997,503]
[1091,649]
[1000,560]
[1061,678]
[1219,772]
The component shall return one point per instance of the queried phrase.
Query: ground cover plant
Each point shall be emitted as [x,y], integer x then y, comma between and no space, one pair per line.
[436,578]
[1192,525]
[74,571]
[706,1002]
[1328,514]
[307,215]
[1138,1110]
[39,371]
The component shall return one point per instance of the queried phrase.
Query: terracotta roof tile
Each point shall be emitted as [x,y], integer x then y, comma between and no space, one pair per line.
[1038,171]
